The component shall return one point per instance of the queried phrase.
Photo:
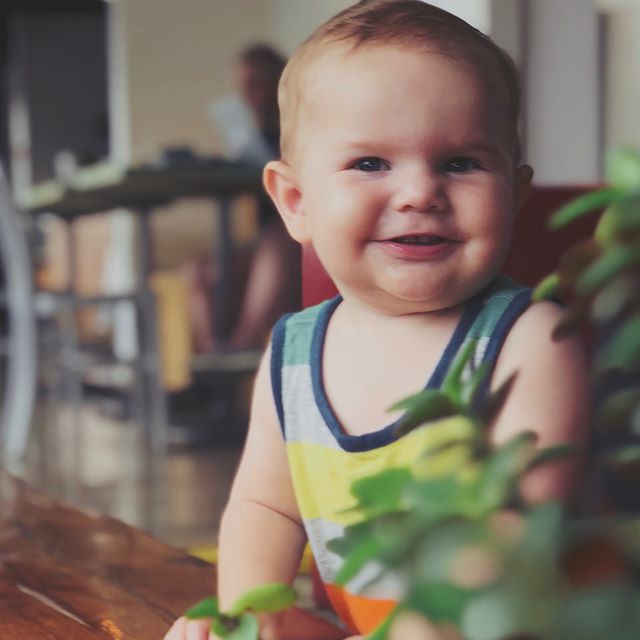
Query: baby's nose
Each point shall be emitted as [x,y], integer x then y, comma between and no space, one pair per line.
[419,189]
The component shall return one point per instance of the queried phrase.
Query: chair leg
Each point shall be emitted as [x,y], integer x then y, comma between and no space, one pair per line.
[17,407]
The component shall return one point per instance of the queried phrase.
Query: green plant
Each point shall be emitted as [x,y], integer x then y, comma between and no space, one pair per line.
[471,552]
[601,279]
[240,622]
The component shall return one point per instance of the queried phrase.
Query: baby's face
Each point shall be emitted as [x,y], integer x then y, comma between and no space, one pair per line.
[406,172]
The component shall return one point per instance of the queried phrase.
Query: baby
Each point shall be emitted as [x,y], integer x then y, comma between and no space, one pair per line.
[400,165]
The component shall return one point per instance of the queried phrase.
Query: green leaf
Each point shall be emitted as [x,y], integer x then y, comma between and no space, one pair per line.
[626,455]
[452,383]
[580,206]
[439,498]
[615,413]
[367,550]
[265,599]
[593,614]
[622,351]
[382,631]
[382,492]
[543,539]
[623,169]
[439,601]
[502,470]
[575,260]
[606,231]
[614,298]
[620,222]
[416,401]
[219,626]
[446,446]
[247,629]
[207,608]
[492,615]
[547,288]
[628,633]
[495,400]
[352,537]
[470,387]
[551,454]
[610,264]
[425,406]
[449,431]
[626,214]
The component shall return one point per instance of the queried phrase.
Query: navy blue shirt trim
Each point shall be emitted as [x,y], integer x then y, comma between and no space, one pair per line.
[385,435]
[277,351]
[515,309]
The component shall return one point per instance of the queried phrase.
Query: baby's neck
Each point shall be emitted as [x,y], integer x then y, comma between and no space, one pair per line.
[362,318]
[373,359]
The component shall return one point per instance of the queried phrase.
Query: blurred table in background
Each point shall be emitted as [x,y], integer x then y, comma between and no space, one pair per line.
[65,573]
[141,190]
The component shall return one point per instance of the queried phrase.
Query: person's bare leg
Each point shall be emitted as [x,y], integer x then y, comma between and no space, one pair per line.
[273,286]
[199,279]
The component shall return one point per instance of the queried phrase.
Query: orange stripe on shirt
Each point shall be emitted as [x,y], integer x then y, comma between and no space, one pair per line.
[361,615]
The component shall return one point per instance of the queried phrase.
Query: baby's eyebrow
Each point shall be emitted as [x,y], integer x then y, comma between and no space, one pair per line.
[379,147]
[490,151]
[487,147]
[356,145]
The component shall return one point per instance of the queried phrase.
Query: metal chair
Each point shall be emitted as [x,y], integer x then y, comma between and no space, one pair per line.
[18,387]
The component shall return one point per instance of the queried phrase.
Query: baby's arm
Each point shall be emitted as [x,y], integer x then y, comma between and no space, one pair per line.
[550,396]
[261,534]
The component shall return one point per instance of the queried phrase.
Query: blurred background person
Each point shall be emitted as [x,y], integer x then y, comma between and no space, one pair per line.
[249,124]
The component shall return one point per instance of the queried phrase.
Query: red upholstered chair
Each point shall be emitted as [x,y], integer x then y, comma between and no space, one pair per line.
[534,250]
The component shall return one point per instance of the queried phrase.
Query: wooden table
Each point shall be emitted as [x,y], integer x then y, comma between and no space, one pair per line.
[71,575]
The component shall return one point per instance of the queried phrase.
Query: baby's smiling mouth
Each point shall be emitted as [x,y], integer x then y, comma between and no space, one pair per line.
[419,239]
[419,247]
[425,240]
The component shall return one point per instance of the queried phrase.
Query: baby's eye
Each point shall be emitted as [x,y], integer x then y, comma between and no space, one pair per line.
[461,165]
[370,164]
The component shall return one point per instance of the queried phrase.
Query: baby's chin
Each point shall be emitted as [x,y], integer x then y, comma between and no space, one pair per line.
[405,303]
[453,294]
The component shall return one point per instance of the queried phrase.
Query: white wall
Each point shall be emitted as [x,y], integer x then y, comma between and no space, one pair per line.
[622,72]
[174,57]
[475,12]
[291,21]
[507,23]
[562,91]
[168,60]
[179,56]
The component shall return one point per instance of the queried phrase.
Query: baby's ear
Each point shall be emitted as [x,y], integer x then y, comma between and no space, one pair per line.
[281,183]
[522,185]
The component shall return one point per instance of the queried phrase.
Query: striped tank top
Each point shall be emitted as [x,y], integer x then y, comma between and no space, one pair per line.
[324,460]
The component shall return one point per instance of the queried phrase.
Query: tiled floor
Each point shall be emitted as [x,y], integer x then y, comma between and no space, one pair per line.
[100,464]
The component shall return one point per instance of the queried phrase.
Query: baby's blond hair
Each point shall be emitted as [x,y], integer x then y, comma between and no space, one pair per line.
[410,23]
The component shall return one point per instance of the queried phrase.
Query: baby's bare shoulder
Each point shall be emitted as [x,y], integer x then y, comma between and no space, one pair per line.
[531,341]
[552,381]
[543,364]
[545,312]
[550,395]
